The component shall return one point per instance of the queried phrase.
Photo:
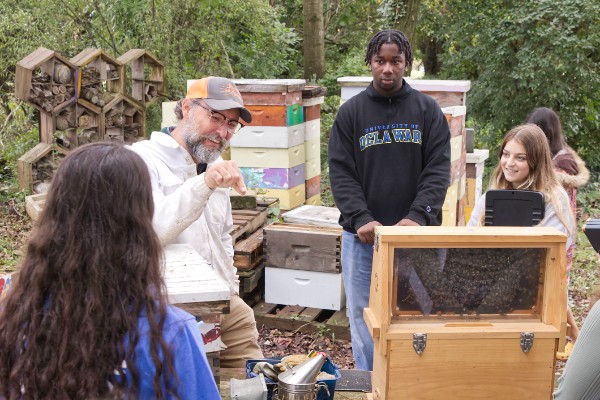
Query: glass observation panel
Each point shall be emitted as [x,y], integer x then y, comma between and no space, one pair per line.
[467,282]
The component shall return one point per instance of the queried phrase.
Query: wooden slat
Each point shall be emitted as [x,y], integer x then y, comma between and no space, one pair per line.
[248,251]
[206,308]
[251,281]
[302,319]
[273,99]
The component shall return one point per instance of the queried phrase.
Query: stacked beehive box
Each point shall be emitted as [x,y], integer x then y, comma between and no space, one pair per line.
[474,178]
[312,98]
[452,97]
[303,266]
[82,100]
[453,208]
[271,150]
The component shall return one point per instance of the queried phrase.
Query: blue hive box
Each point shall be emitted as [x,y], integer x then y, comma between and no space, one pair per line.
[328,367]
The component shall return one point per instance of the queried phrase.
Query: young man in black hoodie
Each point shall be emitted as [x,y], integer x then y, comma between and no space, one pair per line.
[389,164]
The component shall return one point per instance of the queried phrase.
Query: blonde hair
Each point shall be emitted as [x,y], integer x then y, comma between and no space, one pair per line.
[541,176]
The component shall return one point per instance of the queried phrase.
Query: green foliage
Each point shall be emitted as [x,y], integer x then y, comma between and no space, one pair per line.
[525,54]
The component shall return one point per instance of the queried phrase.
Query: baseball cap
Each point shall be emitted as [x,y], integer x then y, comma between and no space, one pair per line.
[219,94]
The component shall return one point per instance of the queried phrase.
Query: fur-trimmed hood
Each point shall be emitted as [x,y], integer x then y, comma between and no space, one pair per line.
[574,181]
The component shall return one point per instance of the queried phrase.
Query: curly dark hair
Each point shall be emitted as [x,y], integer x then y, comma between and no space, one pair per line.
[91,269]
[389,36]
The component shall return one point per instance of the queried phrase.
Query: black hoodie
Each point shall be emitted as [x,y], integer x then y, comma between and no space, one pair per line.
[389,159]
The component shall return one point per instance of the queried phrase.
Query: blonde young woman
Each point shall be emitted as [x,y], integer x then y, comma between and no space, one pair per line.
[526,164]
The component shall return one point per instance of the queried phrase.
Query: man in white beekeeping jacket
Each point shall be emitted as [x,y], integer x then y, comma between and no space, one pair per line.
[191,184]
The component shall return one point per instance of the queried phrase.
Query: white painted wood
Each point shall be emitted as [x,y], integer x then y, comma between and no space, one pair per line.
[189,278]
[313,148]
[313,215]
[268,158]
[313,101]
[269,136]
[455,111]
[352,85]
[168,114]
[313,167]
[314,200]
[304,288]
[269,85]
[312,129]
[455,148]
[477,156]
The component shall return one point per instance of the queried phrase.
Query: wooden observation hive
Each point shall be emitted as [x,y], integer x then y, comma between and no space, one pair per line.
[46,80]
[124,120]
[466,313]
[147,76]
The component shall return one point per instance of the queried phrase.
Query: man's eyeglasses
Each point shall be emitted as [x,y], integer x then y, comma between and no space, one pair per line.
[218,119]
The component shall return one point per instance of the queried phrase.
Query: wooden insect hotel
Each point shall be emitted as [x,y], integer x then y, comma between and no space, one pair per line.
[466,313]
[37,166]
[146,76]
[83,100]
[124,120]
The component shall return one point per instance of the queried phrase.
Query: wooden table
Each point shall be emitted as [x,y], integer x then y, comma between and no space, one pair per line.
[240,373]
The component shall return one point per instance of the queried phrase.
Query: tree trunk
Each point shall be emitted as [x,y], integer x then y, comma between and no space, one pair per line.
[314,39]
[407,21]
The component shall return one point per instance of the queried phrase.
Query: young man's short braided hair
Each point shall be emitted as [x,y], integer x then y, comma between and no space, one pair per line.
[389,36]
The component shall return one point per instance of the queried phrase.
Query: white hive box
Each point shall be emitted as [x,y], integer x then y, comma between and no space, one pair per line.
[189,278]
[269,158]
[313,167]
[269,136]
[313,148]
[194,286]
[312,129]
[304,288]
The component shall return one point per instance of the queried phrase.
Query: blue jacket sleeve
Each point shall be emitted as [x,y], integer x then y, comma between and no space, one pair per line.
[194,376]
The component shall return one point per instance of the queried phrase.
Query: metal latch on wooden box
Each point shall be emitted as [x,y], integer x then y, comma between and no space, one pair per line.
[526,341]
[419,342]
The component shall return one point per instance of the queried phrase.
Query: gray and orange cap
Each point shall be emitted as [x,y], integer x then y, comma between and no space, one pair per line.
[219,94]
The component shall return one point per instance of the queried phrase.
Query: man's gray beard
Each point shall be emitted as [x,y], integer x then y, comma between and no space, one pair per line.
[196,147]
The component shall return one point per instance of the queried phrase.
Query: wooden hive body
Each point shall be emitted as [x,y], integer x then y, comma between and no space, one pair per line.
[471,354]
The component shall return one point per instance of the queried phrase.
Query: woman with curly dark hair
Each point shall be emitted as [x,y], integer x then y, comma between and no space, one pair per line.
[86,317]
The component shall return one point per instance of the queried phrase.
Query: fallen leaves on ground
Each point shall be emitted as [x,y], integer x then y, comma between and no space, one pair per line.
[276,343]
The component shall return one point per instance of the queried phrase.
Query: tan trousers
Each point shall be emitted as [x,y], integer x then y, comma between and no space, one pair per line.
[239,333]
